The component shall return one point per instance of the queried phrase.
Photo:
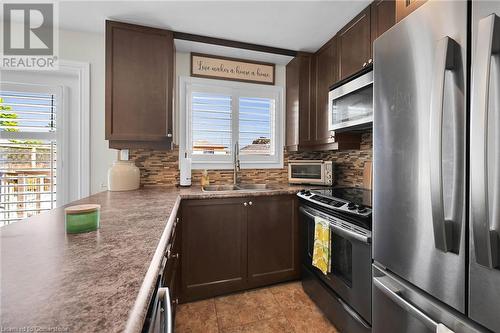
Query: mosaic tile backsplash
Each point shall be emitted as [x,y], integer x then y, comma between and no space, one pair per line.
[162,167]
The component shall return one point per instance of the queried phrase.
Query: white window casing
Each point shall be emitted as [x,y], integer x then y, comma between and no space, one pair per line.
[244,92]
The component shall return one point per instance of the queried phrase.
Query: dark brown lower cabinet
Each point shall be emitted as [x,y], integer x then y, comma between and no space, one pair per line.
[235,244]
[214,245]
[273,251]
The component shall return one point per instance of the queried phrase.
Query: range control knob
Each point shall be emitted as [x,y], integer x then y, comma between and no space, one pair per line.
[362,209]
[308,193]
[351,206]
[302,191]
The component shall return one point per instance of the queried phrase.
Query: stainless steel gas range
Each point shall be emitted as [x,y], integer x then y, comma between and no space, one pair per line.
[344,294]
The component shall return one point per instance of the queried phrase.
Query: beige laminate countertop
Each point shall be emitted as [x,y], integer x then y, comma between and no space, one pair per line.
[98,281]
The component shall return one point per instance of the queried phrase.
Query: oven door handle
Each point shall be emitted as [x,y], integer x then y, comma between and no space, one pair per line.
[340,230]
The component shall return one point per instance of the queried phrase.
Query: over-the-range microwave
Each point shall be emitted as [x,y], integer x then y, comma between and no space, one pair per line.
[350,104]
[314,172]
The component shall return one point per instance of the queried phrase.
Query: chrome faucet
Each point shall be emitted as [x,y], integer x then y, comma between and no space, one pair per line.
[236,163]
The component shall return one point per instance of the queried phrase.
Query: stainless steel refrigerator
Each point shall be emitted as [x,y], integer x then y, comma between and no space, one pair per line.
[436,181]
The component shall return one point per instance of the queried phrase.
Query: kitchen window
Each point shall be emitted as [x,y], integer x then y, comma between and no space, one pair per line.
[218,116]
[29,148]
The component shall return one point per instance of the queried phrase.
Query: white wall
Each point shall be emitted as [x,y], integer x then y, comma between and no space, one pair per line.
[89,47]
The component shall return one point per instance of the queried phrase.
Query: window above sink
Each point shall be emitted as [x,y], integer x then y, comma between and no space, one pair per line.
[215,115]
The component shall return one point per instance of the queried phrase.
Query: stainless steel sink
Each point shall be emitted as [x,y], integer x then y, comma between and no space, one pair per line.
[218,188]
[254,186]
[239,187]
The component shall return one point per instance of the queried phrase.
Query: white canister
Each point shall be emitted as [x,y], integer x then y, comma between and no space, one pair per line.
[124,176]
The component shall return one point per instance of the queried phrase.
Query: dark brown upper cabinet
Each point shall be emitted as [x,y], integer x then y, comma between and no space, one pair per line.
[354,45]
[139,86]
[308,78]
[298,101]
[383,17]
[326,75]
[406,7]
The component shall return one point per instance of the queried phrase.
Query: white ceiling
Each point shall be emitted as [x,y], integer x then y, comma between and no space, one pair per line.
[295,25]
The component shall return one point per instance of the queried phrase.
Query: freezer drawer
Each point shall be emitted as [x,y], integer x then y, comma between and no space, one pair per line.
[401,307]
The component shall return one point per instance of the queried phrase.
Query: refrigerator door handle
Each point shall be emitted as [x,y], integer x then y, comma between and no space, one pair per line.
[401,302]
[447,51]
[485,239]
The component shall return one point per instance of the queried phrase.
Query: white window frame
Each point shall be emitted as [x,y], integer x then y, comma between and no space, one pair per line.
[188,85]
[77,114]
[60,136]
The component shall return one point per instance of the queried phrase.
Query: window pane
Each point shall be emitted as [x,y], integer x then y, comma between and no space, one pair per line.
[27,166]
[256,119]
[211,124]
[27,112]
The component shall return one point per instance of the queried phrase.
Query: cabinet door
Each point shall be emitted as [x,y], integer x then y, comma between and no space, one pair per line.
[292,104]
[139,84]
[273,243]
[355,45]
[383,17]
[326,75]
[214,256]
[306,94]
[299,111]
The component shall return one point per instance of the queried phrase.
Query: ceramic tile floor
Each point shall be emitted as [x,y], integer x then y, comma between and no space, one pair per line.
[275,309]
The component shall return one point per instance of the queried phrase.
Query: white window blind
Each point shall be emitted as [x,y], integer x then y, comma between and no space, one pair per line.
[27,154]
[256,126]
[211,124]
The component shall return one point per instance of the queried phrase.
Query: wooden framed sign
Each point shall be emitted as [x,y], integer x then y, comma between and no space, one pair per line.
[224,68]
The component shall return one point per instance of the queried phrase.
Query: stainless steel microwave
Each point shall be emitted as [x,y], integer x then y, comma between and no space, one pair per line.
[314,172]
[350,105]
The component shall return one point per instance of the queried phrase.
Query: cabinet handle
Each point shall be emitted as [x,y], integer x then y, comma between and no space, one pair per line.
[169,135]
[250,203]
[364,65]
[175,301]
[370,60]
[245,204]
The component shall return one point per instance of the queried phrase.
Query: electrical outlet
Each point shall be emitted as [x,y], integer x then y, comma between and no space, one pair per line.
[124,154]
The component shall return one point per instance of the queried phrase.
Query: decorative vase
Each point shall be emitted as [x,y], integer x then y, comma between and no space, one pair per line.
[124,176]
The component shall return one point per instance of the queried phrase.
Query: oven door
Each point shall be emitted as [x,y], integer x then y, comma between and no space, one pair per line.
[350,275]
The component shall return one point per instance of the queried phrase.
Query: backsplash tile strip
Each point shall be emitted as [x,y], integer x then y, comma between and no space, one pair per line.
[161,167]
